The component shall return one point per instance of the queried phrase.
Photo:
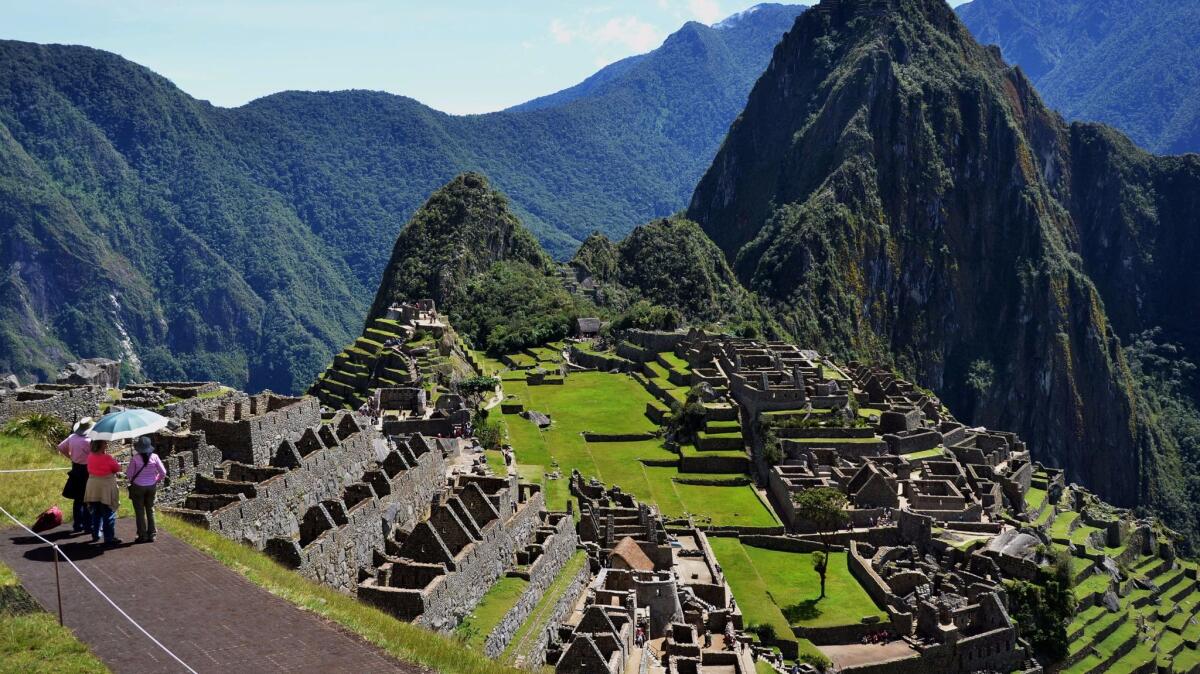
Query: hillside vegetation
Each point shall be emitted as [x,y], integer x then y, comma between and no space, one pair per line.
[242,244]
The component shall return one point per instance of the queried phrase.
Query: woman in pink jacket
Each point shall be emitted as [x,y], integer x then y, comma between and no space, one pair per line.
[145,471]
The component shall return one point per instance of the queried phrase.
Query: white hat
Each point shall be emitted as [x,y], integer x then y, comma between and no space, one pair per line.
[82,425]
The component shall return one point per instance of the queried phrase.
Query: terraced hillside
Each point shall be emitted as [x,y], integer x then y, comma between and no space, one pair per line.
[1138,607]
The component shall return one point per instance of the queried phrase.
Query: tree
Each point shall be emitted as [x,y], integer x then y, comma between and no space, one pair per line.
[825,509]
[474,388]
[820,562]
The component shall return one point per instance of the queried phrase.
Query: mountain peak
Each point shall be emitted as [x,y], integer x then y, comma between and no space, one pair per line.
[890,178]
[463,228]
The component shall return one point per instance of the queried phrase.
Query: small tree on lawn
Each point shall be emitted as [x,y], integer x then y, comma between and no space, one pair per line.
[474,388]
[825,509]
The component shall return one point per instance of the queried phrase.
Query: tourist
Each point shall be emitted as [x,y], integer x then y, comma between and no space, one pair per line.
[102,493]
[77,447]
[145,471]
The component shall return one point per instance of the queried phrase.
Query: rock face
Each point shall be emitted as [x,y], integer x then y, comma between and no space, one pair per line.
[895,188]
[101,372]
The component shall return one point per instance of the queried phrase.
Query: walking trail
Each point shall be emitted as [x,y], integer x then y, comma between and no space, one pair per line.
[209,616]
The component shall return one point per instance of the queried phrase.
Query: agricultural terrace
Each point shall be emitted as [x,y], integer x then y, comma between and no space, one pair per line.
[782,590]
[615,404]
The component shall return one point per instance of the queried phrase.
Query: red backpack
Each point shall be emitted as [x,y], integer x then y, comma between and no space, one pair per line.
[49,519]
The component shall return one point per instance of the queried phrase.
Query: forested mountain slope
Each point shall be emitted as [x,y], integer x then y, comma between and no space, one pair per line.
[1133,65]
[243,244]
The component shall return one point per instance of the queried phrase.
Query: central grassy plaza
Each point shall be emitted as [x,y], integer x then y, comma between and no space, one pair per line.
[615,404]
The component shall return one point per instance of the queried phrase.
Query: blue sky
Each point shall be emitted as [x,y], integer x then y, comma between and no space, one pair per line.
[460,57]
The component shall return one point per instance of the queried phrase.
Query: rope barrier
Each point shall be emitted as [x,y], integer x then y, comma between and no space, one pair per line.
[101,592]
[31,470]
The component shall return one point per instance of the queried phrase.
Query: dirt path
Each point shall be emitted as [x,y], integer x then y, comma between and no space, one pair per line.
[211,617]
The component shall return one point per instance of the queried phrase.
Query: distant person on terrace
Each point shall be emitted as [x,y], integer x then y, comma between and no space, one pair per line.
[78,447]
[102,493]
[145,471]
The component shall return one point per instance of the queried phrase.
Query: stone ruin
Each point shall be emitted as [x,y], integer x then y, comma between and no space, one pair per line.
[663,577]
[67,402]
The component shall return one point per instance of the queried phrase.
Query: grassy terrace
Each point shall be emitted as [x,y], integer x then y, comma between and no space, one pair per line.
[1034,498]
[790,596]
[541,614]
[474,629]
[926,454]
[615,404]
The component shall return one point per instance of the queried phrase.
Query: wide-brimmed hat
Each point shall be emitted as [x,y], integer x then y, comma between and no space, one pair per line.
[82,425]
[143,445]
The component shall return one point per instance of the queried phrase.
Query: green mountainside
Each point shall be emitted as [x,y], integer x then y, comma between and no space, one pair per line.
[895,190]
[672,263]
[241,244]
[1133,65]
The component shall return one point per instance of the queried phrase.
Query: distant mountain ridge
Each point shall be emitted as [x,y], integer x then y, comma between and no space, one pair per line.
[1132,65]
[244,244]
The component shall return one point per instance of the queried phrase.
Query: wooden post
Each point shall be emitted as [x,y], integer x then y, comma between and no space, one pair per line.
[58,586]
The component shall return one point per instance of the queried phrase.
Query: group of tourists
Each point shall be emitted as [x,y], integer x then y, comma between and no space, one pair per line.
[92,485]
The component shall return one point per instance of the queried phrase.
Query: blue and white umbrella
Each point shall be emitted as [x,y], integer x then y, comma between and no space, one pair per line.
[127,424]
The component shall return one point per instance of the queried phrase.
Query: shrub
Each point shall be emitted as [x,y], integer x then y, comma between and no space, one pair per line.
[43,428]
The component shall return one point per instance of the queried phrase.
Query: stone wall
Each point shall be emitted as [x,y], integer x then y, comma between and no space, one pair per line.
[205,406]
[249,431]
[556,550]
[595,361]
[185,456]
[64,402]
[656,341]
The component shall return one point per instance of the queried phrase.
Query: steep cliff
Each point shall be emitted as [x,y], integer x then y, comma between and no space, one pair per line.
[895,189]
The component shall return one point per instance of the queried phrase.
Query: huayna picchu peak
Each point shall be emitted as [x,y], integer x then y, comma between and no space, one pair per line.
[908,386]
[894,189]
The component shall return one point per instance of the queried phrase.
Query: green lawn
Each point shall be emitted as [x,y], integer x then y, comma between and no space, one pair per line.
[1061,528]
[31,639]
[796,587]
[25,495]
[926,453]
[675,362]
[1034,498]
[615,404]
[752,592]
[476,627]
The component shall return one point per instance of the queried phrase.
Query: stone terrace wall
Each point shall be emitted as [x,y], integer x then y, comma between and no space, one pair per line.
[278,503]
[536,655]
[250,431]
[66,403]
[557,550]
[656,341]
[461,590]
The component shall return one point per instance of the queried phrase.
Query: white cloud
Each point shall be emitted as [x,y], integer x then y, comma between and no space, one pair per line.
[705,11]
[629,31]
[560,32]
